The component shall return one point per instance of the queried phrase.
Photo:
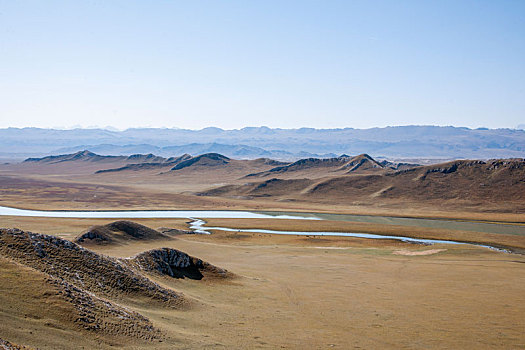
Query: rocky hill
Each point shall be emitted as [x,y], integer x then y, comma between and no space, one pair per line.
[177,264]
[70,262]
[118,232]
[466,181]
[162,164]
[78,156]
[84,291]
[204,160]
[88,156]
[343,164]
[152,164]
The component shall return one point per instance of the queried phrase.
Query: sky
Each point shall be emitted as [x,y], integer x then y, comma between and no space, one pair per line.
[288,64]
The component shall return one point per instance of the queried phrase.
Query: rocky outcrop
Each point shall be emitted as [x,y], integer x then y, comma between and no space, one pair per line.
[88,290]
[176,264]
[96,234]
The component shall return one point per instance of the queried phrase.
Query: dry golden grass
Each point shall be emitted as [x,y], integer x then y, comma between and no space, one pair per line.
[297,293]
[292,292]
[316,292]
[70,228]
[516,241]
[32,312]
[70,186]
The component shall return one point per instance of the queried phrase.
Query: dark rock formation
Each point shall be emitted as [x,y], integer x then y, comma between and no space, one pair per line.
[177,264]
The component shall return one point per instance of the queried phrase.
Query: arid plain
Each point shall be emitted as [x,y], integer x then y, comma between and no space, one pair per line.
[279,291]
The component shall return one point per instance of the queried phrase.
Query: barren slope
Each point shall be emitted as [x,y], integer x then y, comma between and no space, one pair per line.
[118,232]
[464,181]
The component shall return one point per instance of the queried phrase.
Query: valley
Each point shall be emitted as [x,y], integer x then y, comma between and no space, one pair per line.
[151,282]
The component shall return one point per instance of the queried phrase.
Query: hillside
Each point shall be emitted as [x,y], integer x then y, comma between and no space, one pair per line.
[149,165]
[79,266]
[204,160]
[87,156]
[464,181]
[81,293]
[308,167]
[119,232]
[176,264]
[87,162]
[213,180]
[344,164]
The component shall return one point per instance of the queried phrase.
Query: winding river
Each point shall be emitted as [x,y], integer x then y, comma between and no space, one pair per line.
[197,224]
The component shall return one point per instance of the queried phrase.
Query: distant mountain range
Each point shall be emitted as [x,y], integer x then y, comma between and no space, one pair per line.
[341,165]
[403,142]
[234,151]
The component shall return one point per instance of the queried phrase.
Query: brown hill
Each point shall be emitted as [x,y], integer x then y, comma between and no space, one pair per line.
[118,232]
[87,163]
[92,157]
[145,158]
[462,180]
[320,167]
[399,166]
[78,156]
[75,291]
[81,267]
[204,160]
[161,164]
[209,161]
[61,308]
[361,162]
[268,188]
[177,264]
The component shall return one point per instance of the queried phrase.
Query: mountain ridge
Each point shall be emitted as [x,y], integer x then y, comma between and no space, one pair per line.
[343,163]
[401,142]
[497,180]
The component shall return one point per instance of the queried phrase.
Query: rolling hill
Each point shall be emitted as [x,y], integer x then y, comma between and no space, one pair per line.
[121,231]
[473,185]
[86,296]
[319,167]
[464,181]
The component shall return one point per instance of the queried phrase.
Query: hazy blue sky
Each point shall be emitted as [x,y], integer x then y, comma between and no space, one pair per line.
[231,64]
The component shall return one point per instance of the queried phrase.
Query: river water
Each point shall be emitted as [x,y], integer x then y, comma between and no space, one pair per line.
[198,224]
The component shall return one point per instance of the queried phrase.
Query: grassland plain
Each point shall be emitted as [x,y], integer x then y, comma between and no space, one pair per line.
[297,292]
[289,291]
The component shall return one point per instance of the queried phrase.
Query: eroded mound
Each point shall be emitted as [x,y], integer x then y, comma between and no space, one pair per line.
[81,267]
[74,288]
[177,264]
[118,231]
